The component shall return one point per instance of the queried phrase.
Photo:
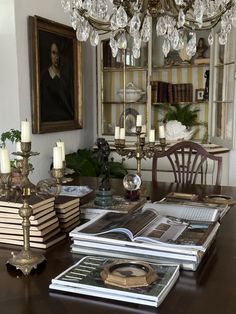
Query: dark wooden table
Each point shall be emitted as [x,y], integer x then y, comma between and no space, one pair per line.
[211,289]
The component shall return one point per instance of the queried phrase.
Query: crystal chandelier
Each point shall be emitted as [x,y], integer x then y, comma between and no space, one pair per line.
[175,21]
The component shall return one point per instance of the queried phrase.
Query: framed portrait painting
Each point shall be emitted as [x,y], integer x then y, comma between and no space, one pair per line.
[55,56]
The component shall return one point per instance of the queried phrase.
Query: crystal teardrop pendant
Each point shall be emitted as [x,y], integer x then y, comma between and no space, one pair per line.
[83,30]
[181,18]
[121,17]
[146,29]
[113,21]
[175,39]
[114,46]
[161,26]
[94,38]
[166,47]
[87,4]
[210,39]
[136,52]
[135,24]
[122,42]
[74,17]
[223,38]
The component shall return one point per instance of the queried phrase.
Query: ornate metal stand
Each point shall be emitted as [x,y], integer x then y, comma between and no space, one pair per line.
[141,150]
[26,260]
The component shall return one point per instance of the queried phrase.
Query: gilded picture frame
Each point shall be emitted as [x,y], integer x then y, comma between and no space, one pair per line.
[56,76]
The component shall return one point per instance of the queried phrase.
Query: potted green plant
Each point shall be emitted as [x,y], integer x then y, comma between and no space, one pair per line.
[12,135]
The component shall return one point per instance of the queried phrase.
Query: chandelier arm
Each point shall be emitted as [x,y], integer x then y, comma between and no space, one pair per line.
[203,28]
[209,19]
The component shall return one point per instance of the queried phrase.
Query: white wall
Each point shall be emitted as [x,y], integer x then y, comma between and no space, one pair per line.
[15,93]
[232,168]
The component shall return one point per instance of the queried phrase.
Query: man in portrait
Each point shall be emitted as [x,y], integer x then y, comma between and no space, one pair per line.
[56,83]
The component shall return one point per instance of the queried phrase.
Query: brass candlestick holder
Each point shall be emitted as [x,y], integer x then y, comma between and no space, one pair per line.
[26,260]
[5,185]
[141,150]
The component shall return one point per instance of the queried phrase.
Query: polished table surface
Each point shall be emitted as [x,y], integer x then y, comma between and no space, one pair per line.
[211,289]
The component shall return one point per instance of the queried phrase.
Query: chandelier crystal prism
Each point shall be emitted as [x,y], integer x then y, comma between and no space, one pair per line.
[175,21]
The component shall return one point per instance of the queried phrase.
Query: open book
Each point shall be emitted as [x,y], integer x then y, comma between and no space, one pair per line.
[149,227]
[187,210]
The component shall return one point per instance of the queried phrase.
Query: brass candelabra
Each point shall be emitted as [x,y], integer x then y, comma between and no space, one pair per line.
[141,150]
[26,259]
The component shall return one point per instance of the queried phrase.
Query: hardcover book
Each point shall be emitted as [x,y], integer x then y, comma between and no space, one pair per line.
[42,245]
[146,232]
[146,226]
[85,278]
[63,201]
[34,201]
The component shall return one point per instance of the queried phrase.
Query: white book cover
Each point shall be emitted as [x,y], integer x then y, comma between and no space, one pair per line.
[85,278]
[147,229]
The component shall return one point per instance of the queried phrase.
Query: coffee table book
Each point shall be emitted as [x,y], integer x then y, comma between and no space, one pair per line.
[147,233]
[84,278]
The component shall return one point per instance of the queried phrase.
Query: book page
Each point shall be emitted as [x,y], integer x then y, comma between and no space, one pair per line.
[185,211]
[164,230]
[131,224]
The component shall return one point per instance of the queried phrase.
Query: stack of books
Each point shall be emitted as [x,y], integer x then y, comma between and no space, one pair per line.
[44,228]
[181,93]
[158,232]
[68,212]
[164,92]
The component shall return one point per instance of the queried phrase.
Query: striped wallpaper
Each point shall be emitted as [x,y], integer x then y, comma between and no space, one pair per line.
[194,75]
[113,81]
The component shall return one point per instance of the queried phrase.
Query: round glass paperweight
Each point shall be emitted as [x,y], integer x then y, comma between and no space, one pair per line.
[132,182]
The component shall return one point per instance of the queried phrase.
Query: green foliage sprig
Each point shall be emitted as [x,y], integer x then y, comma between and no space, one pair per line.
[85,163]
[12,135]
[184,114]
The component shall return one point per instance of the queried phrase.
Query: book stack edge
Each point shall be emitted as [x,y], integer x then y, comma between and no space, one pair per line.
[44,223]
[68,212]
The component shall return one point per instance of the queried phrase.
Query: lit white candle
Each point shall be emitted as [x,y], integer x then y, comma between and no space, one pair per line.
[122,133]
[117,132]
[5,166]
[57,157]
[139,120]
[18,149]
[161,131]
[25,131]
[152,136]
[62,145]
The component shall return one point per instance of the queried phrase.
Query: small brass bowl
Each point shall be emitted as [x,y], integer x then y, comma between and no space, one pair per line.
[128,274]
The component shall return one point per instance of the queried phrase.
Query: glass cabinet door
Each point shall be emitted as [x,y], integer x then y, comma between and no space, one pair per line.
[223,92]
[116,76]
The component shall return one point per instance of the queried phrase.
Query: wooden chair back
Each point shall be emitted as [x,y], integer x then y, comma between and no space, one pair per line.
[188,160]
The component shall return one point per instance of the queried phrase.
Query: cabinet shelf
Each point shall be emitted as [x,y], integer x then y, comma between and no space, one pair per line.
[176,84]
[179,66]
[223,102]
[180,103]
[127,102]
[121,69]
[221,65]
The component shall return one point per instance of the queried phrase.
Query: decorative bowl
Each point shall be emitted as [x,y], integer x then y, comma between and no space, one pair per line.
[132,93]
[175,131]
